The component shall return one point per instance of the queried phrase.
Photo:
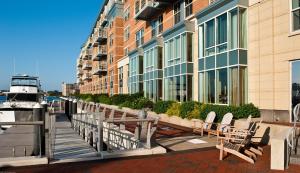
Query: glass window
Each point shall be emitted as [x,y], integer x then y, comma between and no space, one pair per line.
[243,85]
[296,15]
[243,27]
[183,48]
[201,64]
[222,60]
[210,62]
[233,85]
[188,7]
[177,89]
[189,47]
[201,87]
[177,17]
[295,83]
[210,33]
[233,57]
[222,29]
[233,29]
[210,86]
[221,86]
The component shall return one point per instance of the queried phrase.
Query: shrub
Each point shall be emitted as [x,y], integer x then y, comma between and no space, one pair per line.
[103,98]
[119,99]
[162,106]
[194,114]
[238,111]
[174,109]
[142,103]
[187,107]
[248,109]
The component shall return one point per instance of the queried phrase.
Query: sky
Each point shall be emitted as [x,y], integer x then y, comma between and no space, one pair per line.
[43,37]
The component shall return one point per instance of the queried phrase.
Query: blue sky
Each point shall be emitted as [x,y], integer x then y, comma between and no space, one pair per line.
[44,35]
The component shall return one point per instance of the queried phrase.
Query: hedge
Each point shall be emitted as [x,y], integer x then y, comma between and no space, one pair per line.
[189,110]
[162,106]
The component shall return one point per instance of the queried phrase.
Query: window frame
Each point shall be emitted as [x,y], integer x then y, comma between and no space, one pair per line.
[175,13]
[188,6]
[292,31]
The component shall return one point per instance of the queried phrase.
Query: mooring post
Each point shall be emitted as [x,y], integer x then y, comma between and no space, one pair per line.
[67,107]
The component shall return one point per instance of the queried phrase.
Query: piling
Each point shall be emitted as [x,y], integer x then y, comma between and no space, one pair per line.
[67,107]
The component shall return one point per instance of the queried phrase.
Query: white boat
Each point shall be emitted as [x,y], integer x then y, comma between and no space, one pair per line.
[25,92]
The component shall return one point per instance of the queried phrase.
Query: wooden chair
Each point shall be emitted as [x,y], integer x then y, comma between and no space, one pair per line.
[238,142]
[206,126]
[223,126]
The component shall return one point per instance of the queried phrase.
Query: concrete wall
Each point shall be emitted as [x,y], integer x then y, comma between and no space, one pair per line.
[271,48]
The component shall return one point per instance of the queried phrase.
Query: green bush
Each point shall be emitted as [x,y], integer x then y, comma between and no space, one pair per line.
[162,106]
[138,103]
[194,114]
[245,110]
[238,111]
[187,107]
[174,109]
[119,99]
[103,98]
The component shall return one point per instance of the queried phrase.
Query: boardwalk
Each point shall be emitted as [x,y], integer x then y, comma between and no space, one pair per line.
[68,144]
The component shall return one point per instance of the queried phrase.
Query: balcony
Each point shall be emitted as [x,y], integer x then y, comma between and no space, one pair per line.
[79,72]
[79,62]
[101,53]
[102,36]
[87,76]
[101,69]
[148,9]
[87,65]
[88,54]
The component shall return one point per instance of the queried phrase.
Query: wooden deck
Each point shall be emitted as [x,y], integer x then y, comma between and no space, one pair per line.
[68,144]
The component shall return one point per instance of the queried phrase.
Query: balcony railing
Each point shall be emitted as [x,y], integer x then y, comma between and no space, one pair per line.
[101,53]
[87,65]
[102,36]
[101,69]
[87,76]
[79,62]
[148,9]
[88,54]
[79,72]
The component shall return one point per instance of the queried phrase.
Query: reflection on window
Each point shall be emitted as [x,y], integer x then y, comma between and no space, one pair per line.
[295,14]
[210,87]
[177,17]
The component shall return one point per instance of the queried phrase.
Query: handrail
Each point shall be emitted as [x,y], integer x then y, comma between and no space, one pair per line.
[23,123]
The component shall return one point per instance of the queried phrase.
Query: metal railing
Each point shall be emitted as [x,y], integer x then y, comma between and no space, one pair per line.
[95,129]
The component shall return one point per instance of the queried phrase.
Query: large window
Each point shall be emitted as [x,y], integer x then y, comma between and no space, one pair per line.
[223,60]
[177,16]
[295,83]
[295,15]
[135,74]
[178,68]
[153,73]
[188,7]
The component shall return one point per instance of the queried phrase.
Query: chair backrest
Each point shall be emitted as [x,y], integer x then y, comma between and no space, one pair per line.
[209,120]
[226,121]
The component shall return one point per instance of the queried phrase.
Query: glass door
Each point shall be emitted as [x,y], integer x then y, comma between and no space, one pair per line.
[295,84]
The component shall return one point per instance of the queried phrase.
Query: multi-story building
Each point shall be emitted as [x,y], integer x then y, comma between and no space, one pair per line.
[227,52]
[69,89]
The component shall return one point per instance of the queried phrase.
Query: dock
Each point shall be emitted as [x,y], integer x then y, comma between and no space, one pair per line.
[69,146]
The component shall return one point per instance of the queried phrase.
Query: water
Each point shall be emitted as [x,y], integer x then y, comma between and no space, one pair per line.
[52,98]
[2,99]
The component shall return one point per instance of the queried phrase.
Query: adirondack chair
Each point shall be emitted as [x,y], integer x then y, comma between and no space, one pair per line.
[223,126]
[238,143]
[206,126]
